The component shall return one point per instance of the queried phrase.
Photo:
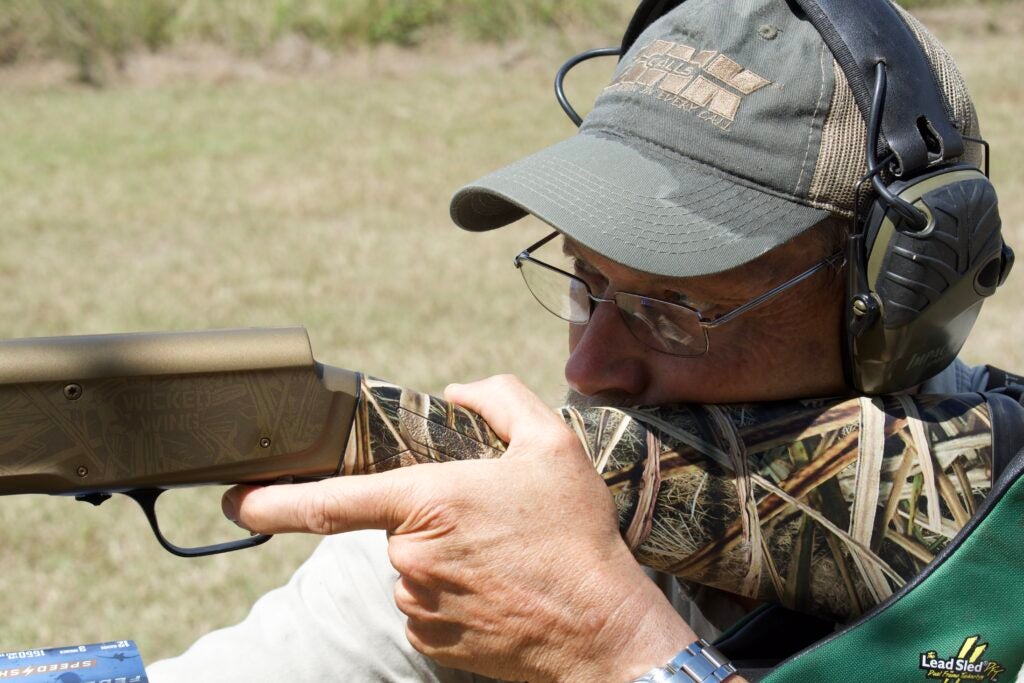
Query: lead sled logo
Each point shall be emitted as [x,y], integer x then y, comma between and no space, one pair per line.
[969,664]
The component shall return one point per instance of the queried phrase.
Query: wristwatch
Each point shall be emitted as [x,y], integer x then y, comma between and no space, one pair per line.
[698,663]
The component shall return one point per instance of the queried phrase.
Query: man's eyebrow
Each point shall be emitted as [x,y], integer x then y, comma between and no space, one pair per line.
[572,250]
[569,248]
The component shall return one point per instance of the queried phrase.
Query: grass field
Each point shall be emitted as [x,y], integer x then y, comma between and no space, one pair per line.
[209,191]
[97,36]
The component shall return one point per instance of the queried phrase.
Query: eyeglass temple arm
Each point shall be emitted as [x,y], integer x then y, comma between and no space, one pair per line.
[754,303]
[525,253]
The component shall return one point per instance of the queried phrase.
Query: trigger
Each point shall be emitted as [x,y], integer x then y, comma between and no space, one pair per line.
[94,498]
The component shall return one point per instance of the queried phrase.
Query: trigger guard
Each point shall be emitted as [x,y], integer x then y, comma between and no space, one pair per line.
[146,498]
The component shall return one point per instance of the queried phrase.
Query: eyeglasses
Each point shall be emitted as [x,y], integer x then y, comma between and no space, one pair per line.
[664,326]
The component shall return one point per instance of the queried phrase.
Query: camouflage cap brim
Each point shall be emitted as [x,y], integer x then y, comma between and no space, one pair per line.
[638,205]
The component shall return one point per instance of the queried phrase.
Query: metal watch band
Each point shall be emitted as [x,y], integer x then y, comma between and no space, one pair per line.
[658,675]
[698,663]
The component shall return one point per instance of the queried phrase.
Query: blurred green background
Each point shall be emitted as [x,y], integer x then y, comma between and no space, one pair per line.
[95,35]
[199,164]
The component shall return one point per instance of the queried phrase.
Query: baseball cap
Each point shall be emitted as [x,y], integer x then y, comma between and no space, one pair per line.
[728,128]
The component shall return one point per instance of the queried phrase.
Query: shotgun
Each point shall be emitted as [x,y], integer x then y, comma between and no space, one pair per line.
[827,506]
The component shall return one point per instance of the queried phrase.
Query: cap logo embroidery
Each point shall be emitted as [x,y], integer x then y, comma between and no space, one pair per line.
[704,82]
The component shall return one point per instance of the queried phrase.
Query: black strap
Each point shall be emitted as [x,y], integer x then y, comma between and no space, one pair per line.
[770,634]
[861,34]
[1007,415]
[1001,379]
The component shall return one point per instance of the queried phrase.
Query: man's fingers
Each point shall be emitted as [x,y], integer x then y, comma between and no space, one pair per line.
[375,501]
[506,404]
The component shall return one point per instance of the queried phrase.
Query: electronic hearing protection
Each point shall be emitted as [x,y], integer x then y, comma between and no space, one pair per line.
[925,246]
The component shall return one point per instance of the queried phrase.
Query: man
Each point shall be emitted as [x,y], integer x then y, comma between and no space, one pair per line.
[718,166]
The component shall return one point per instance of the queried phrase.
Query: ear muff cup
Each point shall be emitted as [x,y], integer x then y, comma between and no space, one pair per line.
[924,288]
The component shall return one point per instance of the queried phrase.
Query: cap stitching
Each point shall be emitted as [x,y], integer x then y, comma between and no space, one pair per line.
[810,132]
[581,175]
[599,185]
[550,191]
[625,192]
[643,248]
[611,131]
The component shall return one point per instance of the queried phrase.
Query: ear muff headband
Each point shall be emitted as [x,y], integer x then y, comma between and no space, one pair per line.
[863,34]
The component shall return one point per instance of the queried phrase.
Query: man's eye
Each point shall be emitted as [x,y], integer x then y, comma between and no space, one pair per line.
[678,298]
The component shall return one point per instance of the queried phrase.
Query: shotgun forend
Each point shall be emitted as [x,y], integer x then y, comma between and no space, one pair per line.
[825,506]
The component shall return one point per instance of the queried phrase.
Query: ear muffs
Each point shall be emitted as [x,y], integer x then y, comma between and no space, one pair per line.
[926,250]
[915,293]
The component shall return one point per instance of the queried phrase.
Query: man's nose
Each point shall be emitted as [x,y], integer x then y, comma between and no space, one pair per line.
[604,357]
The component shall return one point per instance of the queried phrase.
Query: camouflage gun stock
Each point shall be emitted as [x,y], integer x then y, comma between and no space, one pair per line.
[824,506]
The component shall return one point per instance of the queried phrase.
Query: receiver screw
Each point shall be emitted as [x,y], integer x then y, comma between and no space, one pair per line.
[264,442]
[82,471]
[73,392]
[860,307]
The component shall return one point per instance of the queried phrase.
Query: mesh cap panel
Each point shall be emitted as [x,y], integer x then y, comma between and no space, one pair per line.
[841,157]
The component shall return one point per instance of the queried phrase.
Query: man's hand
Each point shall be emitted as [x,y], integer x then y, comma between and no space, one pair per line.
[512,568]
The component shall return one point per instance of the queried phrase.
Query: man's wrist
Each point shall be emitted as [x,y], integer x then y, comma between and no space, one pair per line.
[638,628]
[643,631]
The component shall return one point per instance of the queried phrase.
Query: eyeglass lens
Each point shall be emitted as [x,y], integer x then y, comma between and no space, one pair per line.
[658,324]
[663,326]
[562,295]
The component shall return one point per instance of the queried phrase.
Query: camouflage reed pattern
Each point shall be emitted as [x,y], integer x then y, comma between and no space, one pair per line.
[827,507]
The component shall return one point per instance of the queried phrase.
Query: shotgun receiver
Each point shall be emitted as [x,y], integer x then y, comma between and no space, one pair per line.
[824,506]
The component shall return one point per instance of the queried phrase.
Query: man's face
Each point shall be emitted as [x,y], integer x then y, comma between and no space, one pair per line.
[789,347]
